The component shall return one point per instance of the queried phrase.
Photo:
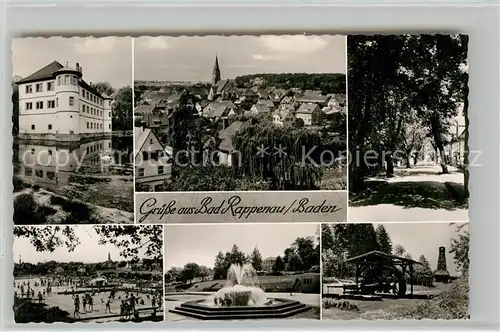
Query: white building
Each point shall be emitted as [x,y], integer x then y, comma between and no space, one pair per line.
[152,160]
[56,103]
[268,264]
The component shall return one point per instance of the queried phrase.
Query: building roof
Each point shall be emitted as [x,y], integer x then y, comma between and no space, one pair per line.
[307,108]
[269,258]
[376,257]
[226,136]
[143,108]
[43,74]
[312,96]
[261,108]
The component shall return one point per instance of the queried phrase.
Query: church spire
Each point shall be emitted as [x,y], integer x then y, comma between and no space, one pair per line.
[216,71]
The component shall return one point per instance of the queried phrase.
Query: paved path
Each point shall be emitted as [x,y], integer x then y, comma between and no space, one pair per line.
[416,194]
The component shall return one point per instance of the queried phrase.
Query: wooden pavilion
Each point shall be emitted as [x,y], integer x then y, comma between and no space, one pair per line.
[378,258]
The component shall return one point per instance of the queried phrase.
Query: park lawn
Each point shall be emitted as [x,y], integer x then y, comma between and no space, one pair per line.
[268,283]
[450,303]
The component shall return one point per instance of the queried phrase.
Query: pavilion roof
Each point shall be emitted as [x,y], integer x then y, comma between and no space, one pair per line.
[377,257]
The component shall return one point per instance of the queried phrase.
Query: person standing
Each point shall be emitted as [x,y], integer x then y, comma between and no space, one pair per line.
[77,306]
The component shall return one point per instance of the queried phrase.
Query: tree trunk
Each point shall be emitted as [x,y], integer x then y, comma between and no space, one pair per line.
[408,163]
[439,145]
[389,171]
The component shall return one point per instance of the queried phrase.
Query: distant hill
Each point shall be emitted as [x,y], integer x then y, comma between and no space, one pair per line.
[327,83]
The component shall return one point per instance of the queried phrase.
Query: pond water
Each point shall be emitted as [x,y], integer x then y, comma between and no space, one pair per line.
[98,171]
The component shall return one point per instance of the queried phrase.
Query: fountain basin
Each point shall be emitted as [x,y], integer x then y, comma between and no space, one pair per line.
[275,308]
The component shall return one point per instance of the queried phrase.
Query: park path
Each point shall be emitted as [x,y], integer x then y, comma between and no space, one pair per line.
[416,194]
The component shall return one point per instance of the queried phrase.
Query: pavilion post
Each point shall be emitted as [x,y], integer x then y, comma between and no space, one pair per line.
[411,278]
[357,277]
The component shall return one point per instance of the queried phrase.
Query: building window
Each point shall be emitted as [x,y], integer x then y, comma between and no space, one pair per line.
[109,114]
[28,171]
[50,86]
[109,126]
[71,101]
[83,108]
[100,126]
[160,170]
[150,141]
[51,104]
[141,171]
[51,175]
[57,101]
[66,80]
[145,155]
[59,80]
[100,114]
[32,127]
[29,88]
[39,105]
[32,151]
[39,87]
[50,127]
[87,125]
[39,173]
[29,106]
[50,151]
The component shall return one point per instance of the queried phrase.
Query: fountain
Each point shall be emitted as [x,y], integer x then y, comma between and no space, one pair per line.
[240,298]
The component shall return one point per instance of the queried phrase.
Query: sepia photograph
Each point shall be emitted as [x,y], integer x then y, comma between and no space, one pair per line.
[88,273]
[240,113]
[395,271]
[72,126]
[408,128]
[272,272]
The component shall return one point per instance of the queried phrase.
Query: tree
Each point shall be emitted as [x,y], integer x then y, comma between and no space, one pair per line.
[133,239]
[399,250]
[190,271]
[460,248]
[383,239]
[256,259]
[204,272]
[103,88]
[235,256]
[48,238]
[122,110]
[220,269]
[278,265]
[326,237]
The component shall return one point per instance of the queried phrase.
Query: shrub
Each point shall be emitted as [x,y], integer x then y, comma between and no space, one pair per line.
[27,211]
[339,304]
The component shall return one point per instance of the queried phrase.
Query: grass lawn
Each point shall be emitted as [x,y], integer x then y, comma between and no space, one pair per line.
[451,302]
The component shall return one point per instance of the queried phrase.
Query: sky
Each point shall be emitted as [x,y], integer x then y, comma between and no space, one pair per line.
[424,239]
[107,59]
[192,58]
[201,243]
[88,251]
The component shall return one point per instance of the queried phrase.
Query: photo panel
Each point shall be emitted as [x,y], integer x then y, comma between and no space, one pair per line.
[254,120]
[270,273]
[72,127]
[85,273]
[392,271]
[408,128]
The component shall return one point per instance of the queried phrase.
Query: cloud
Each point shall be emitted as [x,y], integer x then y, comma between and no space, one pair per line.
[241,66]
[283,47]
[94,45]
[156,43]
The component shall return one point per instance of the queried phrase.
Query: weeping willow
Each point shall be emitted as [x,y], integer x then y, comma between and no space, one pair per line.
[277,154]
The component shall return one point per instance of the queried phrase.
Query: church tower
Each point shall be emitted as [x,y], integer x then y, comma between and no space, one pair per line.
[216,72]
[109,257]
[441,265]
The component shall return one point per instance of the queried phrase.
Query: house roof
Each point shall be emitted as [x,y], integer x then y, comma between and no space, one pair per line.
[312,96]
[144,108]
[45,73]
[266,102]
[307,108]
[261,108]
[226,136]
